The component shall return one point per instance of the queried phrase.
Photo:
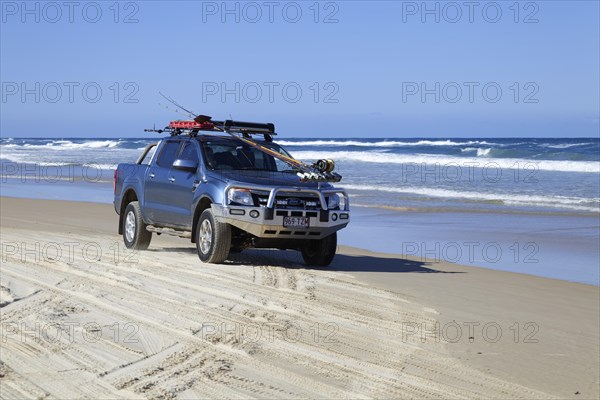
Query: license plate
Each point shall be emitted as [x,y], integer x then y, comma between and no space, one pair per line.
[296,222]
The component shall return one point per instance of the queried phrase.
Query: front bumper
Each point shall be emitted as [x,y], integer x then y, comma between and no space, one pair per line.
[267,221]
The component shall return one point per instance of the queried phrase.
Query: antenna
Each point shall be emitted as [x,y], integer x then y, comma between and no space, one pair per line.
[154,129]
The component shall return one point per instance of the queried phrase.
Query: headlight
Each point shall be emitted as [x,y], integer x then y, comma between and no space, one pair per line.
[240,197]
[333,201]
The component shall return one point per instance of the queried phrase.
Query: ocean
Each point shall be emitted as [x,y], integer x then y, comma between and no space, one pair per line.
[471,175]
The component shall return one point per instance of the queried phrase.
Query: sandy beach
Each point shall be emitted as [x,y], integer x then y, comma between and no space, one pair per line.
[81,317]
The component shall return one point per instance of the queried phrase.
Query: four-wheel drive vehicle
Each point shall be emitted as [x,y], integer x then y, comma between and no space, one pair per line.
[227,195]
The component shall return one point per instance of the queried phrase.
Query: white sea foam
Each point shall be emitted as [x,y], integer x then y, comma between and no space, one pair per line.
[69,145]
[564,145]
[27,159]
[468,162]
[575,203]
[100,166]
[483,152]
[384,143]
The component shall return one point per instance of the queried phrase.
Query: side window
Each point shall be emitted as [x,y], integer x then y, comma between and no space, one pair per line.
[281,165]
[167,154]
[259,158]
[146,160]
[277,163]
[189,152]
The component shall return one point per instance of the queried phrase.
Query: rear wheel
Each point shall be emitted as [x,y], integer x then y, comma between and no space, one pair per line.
[213,239]
[135,234]
[319,253]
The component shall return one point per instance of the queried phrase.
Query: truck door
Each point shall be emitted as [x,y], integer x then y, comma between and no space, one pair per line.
[183,185]
[157,196]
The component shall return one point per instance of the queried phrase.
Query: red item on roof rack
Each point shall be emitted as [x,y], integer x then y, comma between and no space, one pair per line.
[192,125]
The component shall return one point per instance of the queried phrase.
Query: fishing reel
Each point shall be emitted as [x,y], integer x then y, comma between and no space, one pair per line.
[319,176]
[322,172]
[324,165]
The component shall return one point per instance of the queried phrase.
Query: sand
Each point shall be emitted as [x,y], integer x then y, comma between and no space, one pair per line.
[82,317]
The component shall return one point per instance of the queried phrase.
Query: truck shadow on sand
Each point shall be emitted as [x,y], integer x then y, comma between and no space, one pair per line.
[341,262]
[348,263]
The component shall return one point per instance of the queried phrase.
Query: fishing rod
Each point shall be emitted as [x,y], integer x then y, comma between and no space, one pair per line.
[175,110]
[320,171]
[191,114]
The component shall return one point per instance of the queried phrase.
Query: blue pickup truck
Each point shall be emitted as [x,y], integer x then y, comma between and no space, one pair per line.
[226,195]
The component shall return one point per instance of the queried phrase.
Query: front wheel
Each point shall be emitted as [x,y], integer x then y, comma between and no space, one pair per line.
[135,234]
[320,252]
[213,239]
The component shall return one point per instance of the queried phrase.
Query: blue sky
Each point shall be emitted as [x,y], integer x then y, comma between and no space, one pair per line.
[338,69]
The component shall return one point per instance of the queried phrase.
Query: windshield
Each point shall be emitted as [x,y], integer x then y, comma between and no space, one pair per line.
[225,155]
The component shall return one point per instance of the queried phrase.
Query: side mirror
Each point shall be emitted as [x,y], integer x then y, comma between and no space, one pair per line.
[185,165]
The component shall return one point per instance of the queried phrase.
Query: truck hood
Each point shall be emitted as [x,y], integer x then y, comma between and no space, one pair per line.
[264,178]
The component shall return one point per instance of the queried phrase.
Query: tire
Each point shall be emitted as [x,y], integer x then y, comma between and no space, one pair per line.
[135,234]
[320,252]
[213,239]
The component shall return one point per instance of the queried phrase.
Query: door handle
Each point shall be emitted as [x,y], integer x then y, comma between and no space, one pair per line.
[171,179]
[151,175]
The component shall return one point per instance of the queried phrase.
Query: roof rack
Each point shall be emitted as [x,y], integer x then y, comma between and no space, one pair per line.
[251,128]
[205,123]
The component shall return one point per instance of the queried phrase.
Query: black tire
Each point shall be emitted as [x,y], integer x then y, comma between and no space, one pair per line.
[135,236]
[320,252]
[217,250]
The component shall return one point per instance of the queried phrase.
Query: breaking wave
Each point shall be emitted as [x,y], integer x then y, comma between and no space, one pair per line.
[383,143]
[575,203]
[69,145]
[507,163]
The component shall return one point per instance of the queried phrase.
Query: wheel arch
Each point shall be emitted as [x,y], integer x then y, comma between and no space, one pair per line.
[203,204]
[129,196]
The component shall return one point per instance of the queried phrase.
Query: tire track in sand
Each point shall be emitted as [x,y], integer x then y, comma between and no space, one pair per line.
[174,356]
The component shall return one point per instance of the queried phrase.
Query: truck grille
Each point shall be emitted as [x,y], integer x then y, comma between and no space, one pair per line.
[290,202]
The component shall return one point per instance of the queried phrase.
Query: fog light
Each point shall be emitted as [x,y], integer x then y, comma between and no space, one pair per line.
[334,217]
[254,214]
